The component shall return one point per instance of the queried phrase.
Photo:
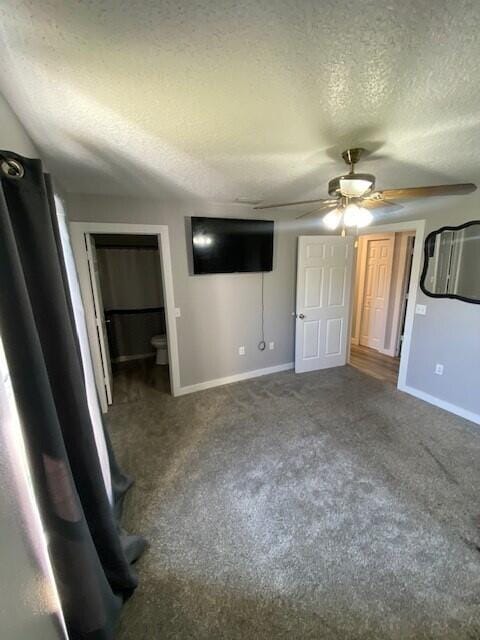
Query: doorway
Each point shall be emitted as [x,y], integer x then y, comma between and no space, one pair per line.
[326,284]
[130,300]
[119,327]
[382,280]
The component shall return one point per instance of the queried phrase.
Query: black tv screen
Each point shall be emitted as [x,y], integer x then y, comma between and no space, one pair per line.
[230,245]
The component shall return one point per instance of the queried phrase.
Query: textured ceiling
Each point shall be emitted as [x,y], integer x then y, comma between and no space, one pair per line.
[221,100]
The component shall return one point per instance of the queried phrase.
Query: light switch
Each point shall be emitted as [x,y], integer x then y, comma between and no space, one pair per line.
[178,312]
[421,309]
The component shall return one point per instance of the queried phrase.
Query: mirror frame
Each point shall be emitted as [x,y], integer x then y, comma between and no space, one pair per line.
[426,256]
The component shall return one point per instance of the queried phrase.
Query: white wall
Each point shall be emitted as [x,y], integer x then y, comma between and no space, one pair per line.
[13,136]
[27,603]
[218,312]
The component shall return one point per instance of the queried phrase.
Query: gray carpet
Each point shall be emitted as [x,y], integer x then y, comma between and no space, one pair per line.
[320,506]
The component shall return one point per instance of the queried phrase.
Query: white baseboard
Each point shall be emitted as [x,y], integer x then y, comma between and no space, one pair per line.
[448,406]
[256,373]
[237,377]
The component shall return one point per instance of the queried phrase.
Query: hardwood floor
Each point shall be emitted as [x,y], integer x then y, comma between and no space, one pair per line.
[374,363]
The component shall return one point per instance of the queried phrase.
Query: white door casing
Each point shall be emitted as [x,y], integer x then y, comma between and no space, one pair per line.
[377,279]
[401,297]
[324,285]
[78,231]
[100,326]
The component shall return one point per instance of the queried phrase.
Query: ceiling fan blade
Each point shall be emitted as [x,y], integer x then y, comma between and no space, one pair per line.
[378,203]
[427,192]
[320,209]
[291,204]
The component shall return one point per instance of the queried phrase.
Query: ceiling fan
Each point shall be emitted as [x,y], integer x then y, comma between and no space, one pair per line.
[352,195]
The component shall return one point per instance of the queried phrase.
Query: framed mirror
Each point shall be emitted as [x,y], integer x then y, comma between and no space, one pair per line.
[452,263]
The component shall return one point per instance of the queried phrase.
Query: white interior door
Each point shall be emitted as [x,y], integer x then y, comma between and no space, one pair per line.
[324,284]
[378,275]
[100,326]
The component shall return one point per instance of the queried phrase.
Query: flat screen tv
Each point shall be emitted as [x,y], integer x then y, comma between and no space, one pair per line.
[230,245]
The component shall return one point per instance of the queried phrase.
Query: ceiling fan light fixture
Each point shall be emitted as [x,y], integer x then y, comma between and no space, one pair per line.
[332,219]
[364,217]
[356,185]
[351,185]
[350,215]
[355,216]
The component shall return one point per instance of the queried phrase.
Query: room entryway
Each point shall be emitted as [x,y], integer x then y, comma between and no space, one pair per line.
[125,277]
[358,292]
[140,381]
[127,285]
[383,270]
[374,363]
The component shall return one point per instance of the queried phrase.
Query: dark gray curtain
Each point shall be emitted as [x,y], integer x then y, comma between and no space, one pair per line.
[91,557]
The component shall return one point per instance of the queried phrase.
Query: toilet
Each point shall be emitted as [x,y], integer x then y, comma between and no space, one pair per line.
[160,344]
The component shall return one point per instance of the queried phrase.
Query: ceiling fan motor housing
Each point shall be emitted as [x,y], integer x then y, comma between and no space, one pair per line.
[353,155]
[352,185]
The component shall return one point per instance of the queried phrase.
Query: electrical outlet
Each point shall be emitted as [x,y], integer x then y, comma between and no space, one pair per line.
[241,351]
[271,346]
[439,369]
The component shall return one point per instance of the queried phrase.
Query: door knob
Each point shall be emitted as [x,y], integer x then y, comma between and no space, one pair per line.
[301,316]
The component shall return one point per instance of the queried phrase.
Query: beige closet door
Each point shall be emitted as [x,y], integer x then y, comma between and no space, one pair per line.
[378,275]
